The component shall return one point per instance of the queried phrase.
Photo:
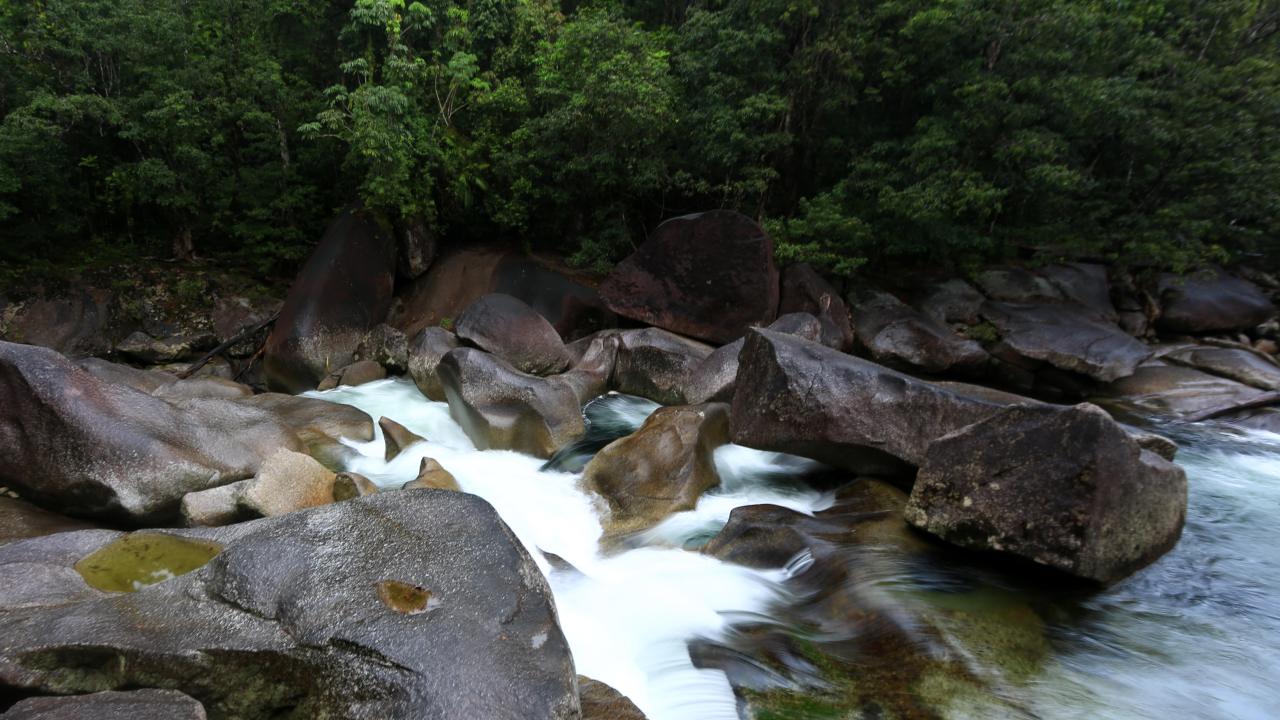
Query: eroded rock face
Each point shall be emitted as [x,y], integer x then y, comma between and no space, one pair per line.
[500,407]
[1069,337]
[130,705]
[1064,487]
[656,364]
[710,275]
[803,290]
[342,292]
[515,332]
[662,468]
[107,450]
[1211,301]
[898,335]
[799,397]
[386,346]
[426,349]
[294,617]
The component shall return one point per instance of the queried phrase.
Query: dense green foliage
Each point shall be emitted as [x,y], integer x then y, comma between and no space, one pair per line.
[919,131]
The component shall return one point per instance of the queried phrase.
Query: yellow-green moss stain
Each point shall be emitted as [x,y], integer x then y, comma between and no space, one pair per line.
[137,560]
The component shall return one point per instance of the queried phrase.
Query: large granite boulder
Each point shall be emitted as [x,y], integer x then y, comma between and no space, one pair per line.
[1247,366]
[656,364]
[163,384]
[803,290]
[799,397]
[417,604]
[952,301]
[515,332]
[1069,337]
[710,275]
[1084,284]
[129,705]
[342,292]
[426,350]
[502,408]
[1063,487]
[898,335]
[713,379]
[1174,391]
[75,324]
[93,448]
[1210,301]
[660,469]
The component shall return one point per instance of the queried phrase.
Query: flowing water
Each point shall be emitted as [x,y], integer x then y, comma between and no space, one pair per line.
[1197,634]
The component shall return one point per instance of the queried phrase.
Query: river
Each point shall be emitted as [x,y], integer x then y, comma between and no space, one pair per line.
[1196,635]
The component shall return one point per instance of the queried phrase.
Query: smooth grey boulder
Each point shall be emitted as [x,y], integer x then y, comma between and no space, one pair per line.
[130,705]
[515,332]
[416,604]
[1063,487]
[713,379]
[592,373]
[1069,337]
[656,364]
[799,397]
[898,335]
[426,349]
[502,408]
[1210,301]
[1176,392]
[314,418]
[100,449]
[1246,366]
[661,468]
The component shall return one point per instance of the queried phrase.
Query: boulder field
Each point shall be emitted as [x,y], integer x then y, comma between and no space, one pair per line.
[960,413]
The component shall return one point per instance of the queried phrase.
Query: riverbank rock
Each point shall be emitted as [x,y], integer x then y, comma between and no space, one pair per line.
[348,485]
[1016,285]
[426,349]
[592,373]
[287,482]
[1084,284]
[163,384]
[1069,337]
[1063,487]
[1172,391]
[397,605]
[386,346]
[20,520]
[952,302]
[713,379]
[357,373]
[803,290]
[215,507]
[1239,364]
[105,450]
[131,705]
[501,408]
[1210,301]
[656,364]
[342,292]
[799,397]
[660,469]
[510,329]
[709,275]
[75,324]
[898,335]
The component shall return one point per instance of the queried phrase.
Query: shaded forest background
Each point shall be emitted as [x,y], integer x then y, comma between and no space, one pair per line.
[866,135]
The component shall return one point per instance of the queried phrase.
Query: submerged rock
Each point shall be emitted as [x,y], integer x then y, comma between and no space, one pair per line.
[799,397]
[99,449]
[662,468]
[342,292]
[1064,487]
[515,332]
[130,705]
[709,275]
[1211,301]
[292,618]
[502,408]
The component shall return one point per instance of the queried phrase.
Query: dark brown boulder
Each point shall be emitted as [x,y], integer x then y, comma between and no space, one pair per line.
[601,702]
[342,292]
[656,364]
[502,408]
[660,469]
[1069,337]
[396,437]
[1064,487]
[710,275]
[426,349]
[92,448]
[803,290]
[1013,284]
[714,378]
[386,346]
[800,397]
[357,373]
[75,325]
[20,520]
[898,335]
[1210,301]
[953,301]
[129,705]
[515,332]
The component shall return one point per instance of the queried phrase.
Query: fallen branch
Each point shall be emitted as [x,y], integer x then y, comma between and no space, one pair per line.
[243,335]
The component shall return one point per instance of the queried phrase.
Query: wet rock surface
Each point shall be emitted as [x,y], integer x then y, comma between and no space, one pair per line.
[129,705]
[713,379]
[515,332]
[710,275]
[803,290]
[288,619]
[426,350]
[20,520]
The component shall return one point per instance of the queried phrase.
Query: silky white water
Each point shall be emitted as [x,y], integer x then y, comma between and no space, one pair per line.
[629,615]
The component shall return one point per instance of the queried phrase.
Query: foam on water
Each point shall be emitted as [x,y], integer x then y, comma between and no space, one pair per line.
[628,616]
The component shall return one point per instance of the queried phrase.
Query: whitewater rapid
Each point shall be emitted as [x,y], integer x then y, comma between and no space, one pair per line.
[628,615]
